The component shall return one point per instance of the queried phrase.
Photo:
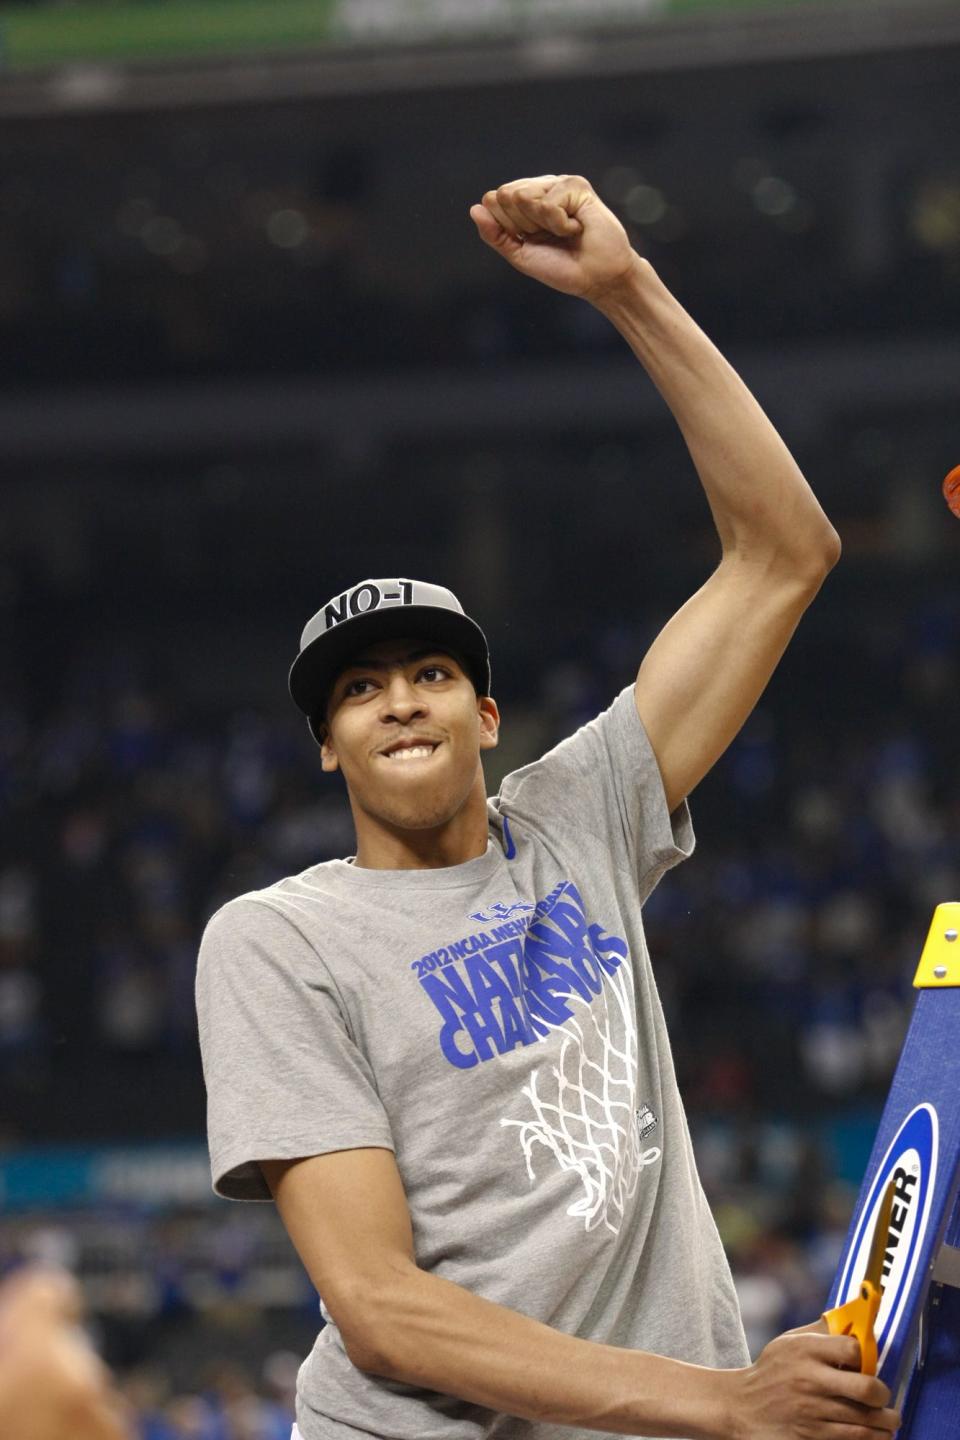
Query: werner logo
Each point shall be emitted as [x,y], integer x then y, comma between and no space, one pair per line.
[911,1163]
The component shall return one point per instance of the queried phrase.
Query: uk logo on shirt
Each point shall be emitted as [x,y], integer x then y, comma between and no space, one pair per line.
[500,911]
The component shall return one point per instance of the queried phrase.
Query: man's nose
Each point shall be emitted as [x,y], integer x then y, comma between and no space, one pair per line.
[402,700]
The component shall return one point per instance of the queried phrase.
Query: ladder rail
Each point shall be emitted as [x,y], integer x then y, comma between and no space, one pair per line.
[918,1146]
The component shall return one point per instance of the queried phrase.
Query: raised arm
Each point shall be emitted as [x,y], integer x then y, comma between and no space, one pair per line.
[347,1215]
[708,667]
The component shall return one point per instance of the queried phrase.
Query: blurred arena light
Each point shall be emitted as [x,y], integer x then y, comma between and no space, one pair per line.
[645,204]
[287,229]
[934,216]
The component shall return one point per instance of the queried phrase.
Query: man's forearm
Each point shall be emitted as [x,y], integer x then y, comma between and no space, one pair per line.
[432,1333]
[760,501]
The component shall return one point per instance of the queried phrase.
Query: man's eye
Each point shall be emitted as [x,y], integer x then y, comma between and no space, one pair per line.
[356,687]
[434,672]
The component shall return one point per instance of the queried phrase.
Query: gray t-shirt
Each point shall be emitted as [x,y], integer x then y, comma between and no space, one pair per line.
[497,1025]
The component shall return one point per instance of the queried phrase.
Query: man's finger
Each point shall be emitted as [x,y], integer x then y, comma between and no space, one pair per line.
[533,214]
[494,233]
[533,184]
[821,1329]
[572,193]
[516,209]
[860,1389]
[492,203]
[842,1352]
[533,206]
[846,1412]
[554,218]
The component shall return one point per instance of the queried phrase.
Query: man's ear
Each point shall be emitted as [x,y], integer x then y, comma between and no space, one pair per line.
[328,756]
[489,722]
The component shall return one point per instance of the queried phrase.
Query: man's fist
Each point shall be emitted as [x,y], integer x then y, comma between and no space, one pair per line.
[556,229]
[52,1385]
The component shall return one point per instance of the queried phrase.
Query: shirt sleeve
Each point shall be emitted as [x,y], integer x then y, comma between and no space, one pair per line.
[284,1076]
[604,781]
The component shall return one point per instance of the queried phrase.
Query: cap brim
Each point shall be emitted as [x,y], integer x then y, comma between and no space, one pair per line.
[315,668]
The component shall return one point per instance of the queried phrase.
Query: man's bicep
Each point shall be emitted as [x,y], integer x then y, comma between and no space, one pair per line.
[347,1215]
[710,664]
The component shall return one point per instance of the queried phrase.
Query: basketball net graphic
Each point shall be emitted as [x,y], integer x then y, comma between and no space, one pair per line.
[585,1109]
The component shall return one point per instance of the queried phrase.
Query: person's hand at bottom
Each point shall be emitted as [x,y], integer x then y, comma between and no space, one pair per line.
[52,1384]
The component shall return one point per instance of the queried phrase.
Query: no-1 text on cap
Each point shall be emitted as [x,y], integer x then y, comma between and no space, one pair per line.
[381,610]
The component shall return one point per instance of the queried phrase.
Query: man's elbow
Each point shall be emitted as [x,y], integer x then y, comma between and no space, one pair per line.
[811,563]
[363,1317]
[366,1352]
[831,550]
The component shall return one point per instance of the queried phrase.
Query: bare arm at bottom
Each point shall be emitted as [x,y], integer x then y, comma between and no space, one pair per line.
[347,1215]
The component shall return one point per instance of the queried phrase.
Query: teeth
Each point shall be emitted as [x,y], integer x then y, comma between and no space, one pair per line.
[412,752]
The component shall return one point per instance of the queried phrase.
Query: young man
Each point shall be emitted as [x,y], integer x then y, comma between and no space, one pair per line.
[445,1059]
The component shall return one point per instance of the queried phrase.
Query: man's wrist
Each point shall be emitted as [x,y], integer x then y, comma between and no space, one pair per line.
[725,1394]
[683,1399]
[712,1405]
[629,292]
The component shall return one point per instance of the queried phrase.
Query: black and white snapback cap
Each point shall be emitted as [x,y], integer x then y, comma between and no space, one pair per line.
[381,610]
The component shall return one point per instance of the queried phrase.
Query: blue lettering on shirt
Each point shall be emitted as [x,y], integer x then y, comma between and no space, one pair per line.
[495,990]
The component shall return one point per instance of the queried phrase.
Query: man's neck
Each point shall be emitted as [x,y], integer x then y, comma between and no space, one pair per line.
[463,837]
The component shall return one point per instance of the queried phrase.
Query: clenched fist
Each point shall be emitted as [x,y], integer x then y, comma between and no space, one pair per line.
[556,229]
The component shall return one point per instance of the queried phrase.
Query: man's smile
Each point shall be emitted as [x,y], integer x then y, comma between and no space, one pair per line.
[404,752]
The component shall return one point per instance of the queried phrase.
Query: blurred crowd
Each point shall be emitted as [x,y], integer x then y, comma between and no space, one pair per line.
[235,1403]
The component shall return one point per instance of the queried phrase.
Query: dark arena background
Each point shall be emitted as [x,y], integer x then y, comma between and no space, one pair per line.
[252,350]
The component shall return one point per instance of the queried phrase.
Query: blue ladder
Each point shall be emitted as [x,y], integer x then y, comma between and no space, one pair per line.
[918,1146]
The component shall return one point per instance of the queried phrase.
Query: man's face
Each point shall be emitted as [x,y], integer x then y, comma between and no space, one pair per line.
[406,727]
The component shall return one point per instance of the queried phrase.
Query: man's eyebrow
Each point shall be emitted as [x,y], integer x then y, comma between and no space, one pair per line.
[408,659]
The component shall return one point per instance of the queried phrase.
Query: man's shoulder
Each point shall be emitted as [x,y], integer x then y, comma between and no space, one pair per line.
[614,728]
[283,896]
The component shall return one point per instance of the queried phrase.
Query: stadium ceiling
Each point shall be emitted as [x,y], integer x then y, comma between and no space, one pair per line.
[699,40]
[809,384]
